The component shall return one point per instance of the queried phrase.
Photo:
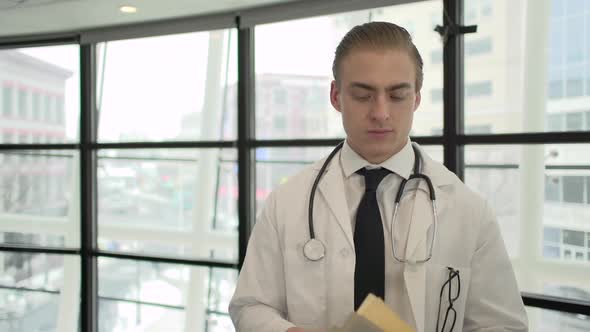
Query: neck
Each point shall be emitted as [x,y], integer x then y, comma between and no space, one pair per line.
[378,157]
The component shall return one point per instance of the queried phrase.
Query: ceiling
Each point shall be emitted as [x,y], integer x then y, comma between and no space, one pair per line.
[29,17]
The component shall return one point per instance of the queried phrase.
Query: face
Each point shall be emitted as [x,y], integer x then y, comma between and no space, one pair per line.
[377,98]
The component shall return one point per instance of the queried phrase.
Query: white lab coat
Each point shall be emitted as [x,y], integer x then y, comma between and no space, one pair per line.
[278,288]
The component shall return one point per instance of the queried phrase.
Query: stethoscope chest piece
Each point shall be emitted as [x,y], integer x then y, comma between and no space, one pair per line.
[314,250]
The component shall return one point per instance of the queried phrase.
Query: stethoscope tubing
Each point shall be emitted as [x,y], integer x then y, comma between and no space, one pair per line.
[314,249]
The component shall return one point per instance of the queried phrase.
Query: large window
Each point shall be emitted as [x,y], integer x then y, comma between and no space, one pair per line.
[162,189]
[161,297]
[560,58]
[172,207]
[36,83]
[293,82]
[539,192]
[183,87]
[179,202]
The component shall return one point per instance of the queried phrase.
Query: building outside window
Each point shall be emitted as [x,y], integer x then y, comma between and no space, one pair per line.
[173,200]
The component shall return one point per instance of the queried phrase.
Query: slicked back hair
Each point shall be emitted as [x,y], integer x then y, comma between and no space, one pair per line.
[378,36]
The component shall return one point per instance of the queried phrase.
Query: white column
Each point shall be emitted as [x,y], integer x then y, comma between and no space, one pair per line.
[69,300]
[532,167]
[206,194]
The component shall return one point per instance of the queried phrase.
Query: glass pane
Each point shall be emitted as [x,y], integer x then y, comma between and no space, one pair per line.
[556,43]
[573,189]
[541,320]
[480,46]
[32,296]
[182,87]
[574,26]
[555,122]
[292,84]
[435,152]
[39,198]
[176,202]
[148,296]
[436,96]
[557,8]
[478,89]
[551,251]
[23,104]
[574,84]
[551,235]
[510,102]
[574,238]
[552,188]
[574,121]
[544,233]
[41,92]
[492,172]
[274,166]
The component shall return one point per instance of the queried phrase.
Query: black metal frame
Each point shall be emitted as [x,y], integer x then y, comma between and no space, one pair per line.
[453,88]
[555,303]
[453,141]
[88,227]
[246,127]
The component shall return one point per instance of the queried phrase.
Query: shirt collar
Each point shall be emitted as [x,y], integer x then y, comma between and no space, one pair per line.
[400,163]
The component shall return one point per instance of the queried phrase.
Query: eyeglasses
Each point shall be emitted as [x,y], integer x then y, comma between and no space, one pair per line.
[453,292]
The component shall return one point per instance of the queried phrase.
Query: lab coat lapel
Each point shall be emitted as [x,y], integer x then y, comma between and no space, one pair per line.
[421,220]
[420,233]
[422,217]
[415,275]
[331,188]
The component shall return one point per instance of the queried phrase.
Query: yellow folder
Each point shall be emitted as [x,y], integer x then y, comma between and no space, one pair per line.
[378,313]
[374,316]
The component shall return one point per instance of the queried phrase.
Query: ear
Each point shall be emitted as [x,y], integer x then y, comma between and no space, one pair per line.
[417,100]
[335,96]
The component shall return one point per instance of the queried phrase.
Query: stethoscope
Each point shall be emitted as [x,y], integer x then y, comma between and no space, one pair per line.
[315,250]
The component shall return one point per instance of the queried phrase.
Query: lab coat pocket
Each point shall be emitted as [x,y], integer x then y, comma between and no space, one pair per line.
[446,297]
[305,288]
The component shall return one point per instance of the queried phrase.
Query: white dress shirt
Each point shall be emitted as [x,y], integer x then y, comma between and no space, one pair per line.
[400,165]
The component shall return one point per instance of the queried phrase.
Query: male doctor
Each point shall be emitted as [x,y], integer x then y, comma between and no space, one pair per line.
[452,276]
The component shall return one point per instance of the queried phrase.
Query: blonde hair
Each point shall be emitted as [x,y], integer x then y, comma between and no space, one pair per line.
[378,35]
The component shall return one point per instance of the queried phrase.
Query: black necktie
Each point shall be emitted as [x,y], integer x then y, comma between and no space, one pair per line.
[369,271]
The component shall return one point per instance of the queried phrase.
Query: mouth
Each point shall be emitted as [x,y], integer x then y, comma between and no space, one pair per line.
[379,133]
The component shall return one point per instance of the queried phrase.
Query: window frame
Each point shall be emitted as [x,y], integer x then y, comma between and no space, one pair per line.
[453,137]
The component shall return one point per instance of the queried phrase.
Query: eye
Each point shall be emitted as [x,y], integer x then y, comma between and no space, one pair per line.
[397,97]
[361,97]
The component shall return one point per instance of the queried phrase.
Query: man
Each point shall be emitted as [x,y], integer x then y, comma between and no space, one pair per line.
[450,275]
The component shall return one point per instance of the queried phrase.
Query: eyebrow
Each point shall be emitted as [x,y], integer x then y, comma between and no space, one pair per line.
[369,87]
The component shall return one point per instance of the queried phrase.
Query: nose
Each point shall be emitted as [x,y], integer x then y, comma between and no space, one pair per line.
[379,109]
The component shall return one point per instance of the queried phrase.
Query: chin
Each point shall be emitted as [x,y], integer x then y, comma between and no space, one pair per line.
[379,151]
